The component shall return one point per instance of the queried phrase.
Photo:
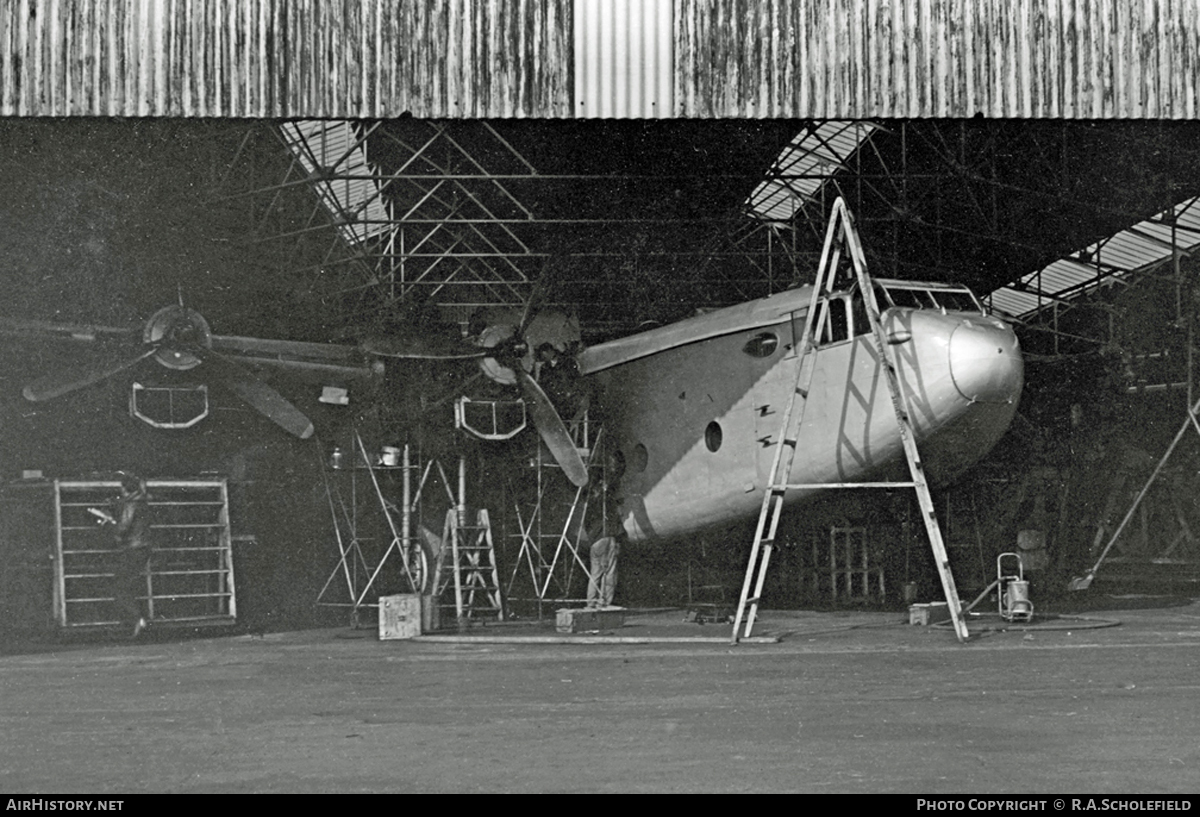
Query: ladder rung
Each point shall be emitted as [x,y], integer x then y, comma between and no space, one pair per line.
[792,486]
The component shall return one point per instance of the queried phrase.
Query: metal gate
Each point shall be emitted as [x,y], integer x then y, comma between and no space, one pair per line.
[190,579]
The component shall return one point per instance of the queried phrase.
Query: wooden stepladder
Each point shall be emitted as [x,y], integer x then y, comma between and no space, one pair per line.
[840,237]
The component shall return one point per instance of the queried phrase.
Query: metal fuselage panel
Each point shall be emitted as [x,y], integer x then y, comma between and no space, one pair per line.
[662,407]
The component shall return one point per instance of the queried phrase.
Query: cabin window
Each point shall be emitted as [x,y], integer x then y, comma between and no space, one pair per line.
[639,458]
[713,436]
[860,325]
[763,344]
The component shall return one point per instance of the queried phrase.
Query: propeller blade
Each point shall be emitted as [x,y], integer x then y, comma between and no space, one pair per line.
[553,430]
[428,347]
[65,331]
[533,306]
[68,380]
[270,403]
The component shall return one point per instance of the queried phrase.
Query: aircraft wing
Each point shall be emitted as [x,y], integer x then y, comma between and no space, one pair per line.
[300,357]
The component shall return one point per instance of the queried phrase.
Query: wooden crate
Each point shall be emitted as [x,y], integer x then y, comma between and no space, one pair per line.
[399,616]
[589,619]
[926,614]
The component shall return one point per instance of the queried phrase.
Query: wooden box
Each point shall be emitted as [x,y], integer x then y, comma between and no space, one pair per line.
[926,614]
[399,616]
[590,618]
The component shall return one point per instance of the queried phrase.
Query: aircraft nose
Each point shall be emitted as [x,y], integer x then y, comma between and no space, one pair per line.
[985,362]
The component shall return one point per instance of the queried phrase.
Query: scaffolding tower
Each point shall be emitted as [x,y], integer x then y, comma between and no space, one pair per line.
[373,527]
[552,524]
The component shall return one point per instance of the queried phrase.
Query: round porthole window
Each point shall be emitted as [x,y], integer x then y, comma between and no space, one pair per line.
[616,465]
[763,344]
[713,436]
[638,459]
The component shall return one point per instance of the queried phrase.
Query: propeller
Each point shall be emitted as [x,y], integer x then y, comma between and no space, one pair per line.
[505,352]
[511,360]
[179,338]
[56,384]
[553,430]
[268,402]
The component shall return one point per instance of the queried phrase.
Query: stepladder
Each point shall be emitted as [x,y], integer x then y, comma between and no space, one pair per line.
[842,249]
[466,567]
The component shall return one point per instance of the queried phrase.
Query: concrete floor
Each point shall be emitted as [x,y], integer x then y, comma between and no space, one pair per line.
[845,702]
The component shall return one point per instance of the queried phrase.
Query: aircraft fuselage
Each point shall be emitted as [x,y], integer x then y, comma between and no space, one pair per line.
[694,409]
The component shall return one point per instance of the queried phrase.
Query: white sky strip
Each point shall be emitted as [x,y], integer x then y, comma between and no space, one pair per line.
[803,166]
[1143,246]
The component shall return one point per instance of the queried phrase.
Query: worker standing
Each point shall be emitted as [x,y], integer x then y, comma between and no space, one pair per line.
[132,518]
[602,582]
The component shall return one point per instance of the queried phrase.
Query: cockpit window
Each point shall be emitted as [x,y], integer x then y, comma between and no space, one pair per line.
[841,316]
[914,298]
[918,297]
[957,301]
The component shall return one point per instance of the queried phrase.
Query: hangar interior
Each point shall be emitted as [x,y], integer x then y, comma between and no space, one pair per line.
[244,251]
[332,232]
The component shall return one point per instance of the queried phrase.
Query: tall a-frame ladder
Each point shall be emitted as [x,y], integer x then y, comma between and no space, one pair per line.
[840,236]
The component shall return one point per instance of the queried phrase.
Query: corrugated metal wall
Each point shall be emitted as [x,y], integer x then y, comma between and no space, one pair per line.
[623,58]
[285,58]
[836,59]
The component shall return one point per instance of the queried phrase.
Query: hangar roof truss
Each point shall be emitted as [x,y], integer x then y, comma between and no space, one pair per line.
[1118,258]
[803,168]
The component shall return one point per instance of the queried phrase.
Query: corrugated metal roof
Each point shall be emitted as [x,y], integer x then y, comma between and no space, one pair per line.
[803,166]
[1135,249]
[334,155]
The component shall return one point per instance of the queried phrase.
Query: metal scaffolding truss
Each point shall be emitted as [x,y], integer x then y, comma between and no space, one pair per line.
[381,220]
[375,524]
[460,233]
[373,220]
[421,213]
[553,524]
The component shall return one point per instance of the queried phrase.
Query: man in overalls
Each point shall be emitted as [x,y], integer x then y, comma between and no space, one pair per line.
[602,581]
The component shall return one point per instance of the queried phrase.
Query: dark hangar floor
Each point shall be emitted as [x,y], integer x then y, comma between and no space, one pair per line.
[845,702]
